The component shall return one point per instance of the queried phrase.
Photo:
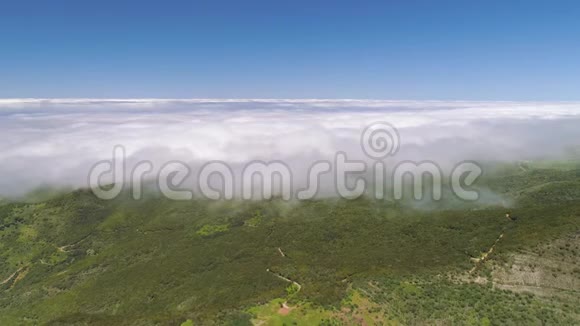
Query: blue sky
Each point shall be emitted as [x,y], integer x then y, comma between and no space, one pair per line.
[480,50]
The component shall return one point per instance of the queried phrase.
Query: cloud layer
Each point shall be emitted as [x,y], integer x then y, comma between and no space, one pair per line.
[57,141]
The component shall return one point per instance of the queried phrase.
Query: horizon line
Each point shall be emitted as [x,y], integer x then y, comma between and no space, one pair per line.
[64,100]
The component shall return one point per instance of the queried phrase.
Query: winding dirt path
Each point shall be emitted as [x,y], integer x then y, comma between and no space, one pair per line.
[64,248]
[485,255]
[285,309]
[17,276]
[11,276]
[280,276]
[21,275]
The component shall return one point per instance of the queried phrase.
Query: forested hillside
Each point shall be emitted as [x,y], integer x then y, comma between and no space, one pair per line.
[75,259]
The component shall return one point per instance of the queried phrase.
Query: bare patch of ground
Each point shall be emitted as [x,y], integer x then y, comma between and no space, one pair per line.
[285,309]
[552,269]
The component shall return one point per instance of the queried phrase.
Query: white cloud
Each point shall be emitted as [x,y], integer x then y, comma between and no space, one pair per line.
[56,141]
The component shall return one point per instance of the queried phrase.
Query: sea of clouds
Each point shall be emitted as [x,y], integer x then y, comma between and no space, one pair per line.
[56,141]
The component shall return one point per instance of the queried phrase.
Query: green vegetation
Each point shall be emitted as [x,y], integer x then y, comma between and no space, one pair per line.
[75,259]
[292,289]
[254,221]
[301,314]
[208,230]
[188,322]
[415,300]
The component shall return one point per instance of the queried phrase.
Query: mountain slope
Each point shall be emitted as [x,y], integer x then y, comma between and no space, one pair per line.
[79,260]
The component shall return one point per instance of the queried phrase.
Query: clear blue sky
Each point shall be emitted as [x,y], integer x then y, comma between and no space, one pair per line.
[483,50]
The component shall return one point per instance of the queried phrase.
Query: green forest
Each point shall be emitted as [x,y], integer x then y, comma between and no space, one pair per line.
[73,259]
